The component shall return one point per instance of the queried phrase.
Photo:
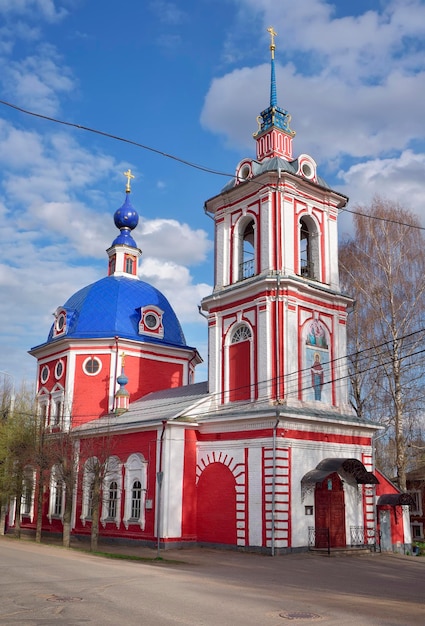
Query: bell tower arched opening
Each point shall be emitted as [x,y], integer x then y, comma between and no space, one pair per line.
[246,251]
[309,261]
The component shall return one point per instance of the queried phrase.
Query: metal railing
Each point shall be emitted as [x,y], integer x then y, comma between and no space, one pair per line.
[246,269]
[361,537]
[319,538]
[307,269]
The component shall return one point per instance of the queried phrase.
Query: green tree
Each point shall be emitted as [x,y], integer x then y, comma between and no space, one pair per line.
[17,454]
[383,266]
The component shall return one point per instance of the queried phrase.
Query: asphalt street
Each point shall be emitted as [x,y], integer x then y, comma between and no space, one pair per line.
[46,584]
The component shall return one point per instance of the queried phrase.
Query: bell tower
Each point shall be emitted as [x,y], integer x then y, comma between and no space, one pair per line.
[277,317]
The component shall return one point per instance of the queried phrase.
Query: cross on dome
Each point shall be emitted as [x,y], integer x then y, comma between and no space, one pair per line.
[273,34]
[129,176]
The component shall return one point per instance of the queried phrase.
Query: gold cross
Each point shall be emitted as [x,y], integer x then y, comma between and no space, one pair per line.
[129,176]
[122,359]
[273,34]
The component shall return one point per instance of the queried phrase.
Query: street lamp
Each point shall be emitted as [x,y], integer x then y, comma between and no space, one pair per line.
[12,395]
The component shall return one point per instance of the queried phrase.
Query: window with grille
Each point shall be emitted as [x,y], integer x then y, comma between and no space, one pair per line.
[242,333]
[57,505]
[113,500]
[136,499]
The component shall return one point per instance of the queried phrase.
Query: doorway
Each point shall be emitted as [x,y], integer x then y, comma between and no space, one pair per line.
[329,508]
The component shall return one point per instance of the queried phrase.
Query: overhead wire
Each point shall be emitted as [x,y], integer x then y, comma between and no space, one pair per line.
[296,374]
[209,170]
[167,155]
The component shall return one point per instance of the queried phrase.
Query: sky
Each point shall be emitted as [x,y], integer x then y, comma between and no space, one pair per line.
[185,79]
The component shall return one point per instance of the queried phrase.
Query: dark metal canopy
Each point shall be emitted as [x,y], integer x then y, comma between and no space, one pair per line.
[396,499]
[352,470]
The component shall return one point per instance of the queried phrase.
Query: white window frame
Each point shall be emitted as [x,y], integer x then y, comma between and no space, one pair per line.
[55,480]
[113,474]
[28,511]
[57,401]
[88,479]
[135,470]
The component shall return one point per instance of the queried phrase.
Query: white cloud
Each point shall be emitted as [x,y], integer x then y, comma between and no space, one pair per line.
[57,221]
[37,81]
[176,283]
[401,179]
[352,84]
[167,238]
[168,12]
[46,9]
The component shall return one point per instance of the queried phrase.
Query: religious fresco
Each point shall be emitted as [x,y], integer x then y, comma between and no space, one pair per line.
[316,363]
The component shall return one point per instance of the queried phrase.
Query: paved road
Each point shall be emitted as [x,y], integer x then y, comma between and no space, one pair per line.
[45,584]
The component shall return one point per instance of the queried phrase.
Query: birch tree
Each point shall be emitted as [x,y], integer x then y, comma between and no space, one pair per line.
[383,267]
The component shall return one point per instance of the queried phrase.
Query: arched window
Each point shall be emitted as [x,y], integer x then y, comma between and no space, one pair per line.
[112,491]
[136,499]
[135,490]
[240,364]
[129,265]
[27,500]
[247,267]
[57,493]
[309,248]
[91,468]
[112,499]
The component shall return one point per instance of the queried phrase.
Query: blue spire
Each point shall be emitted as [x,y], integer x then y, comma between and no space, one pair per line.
[273,94]
[273,116]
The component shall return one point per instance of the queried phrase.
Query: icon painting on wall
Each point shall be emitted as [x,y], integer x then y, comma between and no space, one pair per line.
[316,364]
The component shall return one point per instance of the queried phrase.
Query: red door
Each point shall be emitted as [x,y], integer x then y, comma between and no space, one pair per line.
[216,518]
[240,373]
[330,512]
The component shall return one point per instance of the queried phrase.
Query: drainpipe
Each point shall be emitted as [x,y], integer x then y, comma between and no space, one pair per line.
[278,273]
[375,438]
[159,478]
[114,382]
[274,482]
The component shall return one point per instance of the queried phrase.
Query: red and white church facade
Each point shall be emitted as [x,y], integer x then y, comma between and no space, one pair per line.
[267,454]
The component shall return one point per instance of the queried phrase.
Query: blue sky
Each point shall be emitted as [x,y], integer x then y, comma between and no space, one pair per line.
[188,79]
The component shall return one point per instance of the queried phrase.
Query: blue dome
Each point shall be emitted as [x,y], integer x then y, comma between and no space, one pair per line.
[126,216]
[111,306]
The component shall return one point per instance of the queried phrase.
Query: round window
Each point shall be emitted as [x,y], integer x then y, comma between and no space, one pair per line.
[60,322]
[245,172]
[92,366]
[307,170]
[45,374]
[59,369]
[151,321]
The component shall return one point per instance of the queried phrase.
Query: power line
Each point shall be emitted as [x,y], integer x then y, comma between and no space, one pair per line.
[286,379]
[382,219]
[197,166]
[117,138]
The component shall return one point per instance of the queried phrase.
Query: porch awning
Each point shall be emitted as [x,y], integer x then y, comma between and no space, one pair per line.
[396,499]
[351,470]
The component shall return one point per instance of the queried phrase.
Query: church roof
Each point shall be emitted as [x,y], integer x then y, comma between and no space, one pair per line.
[111,307]
[115,305]
[274,164]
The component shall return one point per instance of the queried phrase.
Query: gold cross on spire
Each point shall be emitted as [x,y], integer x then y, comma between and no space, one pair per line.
[129,176]
[122,359]
[273,34]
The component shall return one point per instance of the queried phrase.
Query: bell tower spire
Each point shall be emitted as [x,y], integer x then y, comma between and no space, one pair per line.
[274,136]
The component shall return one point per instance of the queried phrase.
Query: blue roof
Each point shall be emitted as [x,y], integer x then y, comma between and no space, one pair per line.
[111,307]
